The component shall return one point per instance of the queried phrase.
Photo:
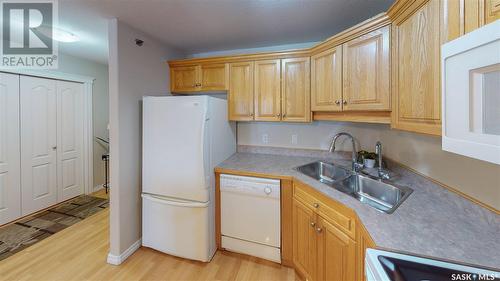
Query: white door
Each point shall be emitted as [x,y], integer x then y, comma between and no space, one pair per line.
[69,140]
[10,185]
[38,143]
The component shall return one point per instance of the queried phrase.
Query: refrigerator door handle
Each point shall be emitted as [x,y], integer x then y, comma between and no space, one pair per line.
[168,201]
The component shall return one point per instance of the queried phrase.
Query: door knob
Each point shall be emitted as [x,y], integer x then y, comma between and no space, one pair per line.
[337,102]
[345,102]
[278,115]
[54,147]
[268,190]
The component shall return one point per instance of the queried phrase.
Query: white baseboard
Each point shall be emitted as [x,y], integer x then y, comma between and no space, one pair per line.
[118,259]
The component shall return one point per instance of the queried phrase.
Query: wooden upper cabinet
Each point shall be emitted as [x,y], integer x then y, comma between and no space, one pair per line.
[184,78]
[214,77]
[336,253]
[491,10]
[326,80]
[461,17]
[416,70]
[202,77]
[304,240]
[267,90]
[241,89]
[295,87]
[366,72]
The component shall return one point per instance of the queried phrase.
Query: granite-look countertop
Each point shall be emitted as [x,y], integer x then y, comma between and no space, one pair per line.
[432,221]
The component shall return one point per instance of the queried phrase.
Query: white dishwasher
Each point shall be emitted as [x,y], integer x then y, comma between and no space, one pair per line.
[250,216]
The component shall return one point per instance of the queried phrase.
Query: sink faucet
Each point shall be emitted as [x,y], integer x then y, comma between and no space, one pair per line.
[382,173]
[355,165]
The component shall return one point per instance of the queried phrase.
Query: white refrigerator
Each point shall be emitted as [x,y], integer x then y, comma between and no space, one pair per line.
[184,138]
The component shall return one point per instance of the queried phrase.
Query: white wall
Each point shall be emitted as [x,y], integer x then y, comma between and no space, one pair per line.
[316,135]
[134,71]
[478,179]
[100,104]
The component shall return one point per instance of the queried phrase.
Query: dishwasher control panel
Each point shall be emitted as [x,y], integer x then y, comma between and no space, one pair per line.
[250,185]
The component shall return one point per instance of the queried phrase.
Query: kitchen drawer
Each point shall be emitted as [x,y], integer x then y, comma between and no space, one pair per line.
[337,214]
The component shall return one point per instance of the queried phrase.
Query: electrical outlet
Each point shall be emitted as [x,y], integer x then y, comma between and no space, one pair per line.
[295,138]
[265,138]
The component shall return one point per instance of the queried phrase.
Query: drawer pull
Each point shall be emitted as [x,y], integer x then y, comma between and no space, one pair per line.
[315,205]
[319,230]
[313,224]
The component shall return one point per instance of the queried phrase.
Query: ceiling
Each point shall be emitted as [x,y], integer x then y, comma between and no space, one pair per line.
[196,26]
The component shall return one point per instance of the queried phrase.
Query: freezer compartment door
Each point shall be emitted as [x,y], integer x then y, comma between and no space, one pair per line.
[174,144]
[178,228]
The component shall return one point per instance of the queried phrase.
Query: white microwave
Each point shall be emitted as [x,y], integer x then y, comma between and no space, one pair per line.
[471,94]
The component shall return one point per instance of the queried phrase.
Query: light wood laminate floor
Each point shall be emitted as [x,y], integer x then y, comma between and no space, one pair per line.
[79,253]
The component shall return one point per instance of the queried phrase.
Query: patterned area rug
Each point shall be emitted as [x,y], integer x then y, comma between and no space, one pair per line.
[33,229]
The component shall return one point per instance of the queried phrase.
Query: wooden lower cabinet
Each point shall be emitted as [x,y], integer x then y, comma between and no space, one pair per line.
[363,242]
[304,240]
[322,250]
[336,253]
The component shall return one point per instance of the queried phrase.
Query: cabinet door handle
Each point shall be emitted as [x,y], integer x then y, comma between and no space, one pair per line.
[316,205]
[345,102]
[251,114]
[337,102]
[54,147]
[313,224]
[319,230]
[278,115]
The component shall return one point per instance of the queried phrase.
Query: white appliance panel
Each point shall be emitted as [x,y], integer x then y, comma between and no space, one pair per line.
[173,147]
[184,138]
[470,68]
[250,215]
[177,227]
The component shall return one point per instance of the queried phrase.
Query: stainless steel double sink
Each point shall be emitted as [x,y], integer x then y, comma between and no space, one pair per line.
[379,194]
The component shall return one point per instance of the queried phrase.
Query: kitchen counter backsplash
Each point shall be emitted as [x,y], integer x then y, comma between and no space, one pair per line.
[433,221]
